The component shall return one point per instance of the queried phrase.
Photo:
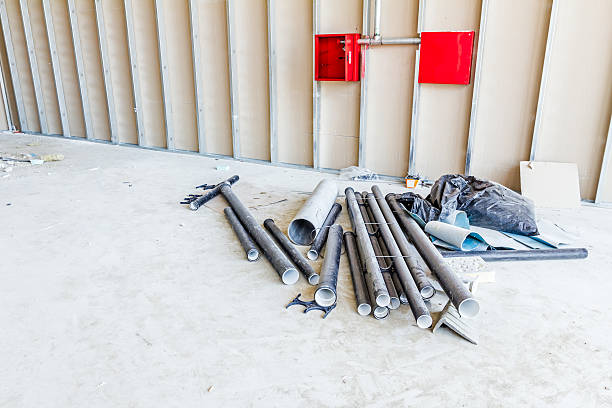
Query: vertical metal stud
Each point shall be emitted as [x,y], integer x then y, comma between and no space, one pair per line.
[552,29]
[165,74]
[603,173]
[132,46]
[416,96]
[233,79]
[10,53]
[316,92]
[363,96]
[476,89]
[40,101]
[80,65]
[7,110]
[272,81]
[57,70]
[198,77]
[108,79]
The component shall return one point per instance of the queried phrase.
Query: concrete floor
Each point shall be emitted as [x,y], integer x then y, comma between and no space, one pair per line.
[114,295]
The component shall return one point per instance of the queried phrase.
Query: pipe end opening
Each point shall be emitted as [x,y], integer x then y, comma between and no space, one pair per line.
[301,232]
[325,297]
[394,303]
[290,276]
[383,300]
[364,309]
[427,292]
[381,312]
[253,255]
[312,255]
[313,279]
[193,206]
[469,308]
[424,321]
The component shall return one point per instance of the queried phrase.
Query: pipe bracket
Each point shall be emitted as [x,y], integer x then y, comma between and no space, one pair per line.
[311,305]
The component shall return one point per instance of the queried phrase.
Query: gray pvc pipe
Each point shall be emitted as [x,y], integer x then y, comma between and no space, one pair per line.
[298,259]
[304,226]
[454,288]
[415,300]
[394,302]
[373,276]
[247,243]
[319,241]
[212,193]
[522,255]
[362,297]
[398,286]
[287,272]
[326,295]
[410,255]
[381,312]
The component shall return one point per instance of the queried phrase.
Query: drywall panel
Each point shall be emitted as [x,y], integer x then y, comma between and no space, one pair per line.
[23,66]
[67,61]
[511,70]
[119,66]
[390,85]
[215,76]
[178,71]
[149,73]
[444,110]
[577,102]
[45,69]
[92,63]
[339,128]
[251,44]
[8,83]
[604,192]
[293,46]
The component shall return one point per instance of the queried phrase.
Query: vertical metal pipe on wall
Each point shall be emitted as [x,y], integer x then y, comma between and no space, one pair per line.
[363,97]
[316,91]
[416,97]
[484,10]
[107,77]
[160,15]
[40,102]
[132,46]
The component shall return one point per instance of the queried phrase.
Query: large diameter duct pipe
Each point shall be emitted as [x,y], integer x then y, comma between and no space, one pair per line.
[410,254]
[287,272]
[321,237]
[298,259]
[415,300]
[522,255]
[303,228]
[362,297]
[212,193]
[454,288]
[243,236]
[325,295]
[373,276]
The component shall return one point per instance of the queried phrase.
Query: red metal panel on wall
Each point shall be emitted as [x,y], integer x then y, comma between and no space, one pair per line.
[446,57]
[337,57]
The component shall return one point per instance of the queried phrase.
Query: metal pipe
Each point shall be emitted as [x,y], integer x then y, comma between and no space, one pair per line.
[210,194]
[390,41]
[363,208]
[454,288]
[381,312]
[410,255]
[415,300]
[377,16]
[394,302]
[373,275]
[287,272]
[362,297]
[522,255]
[247,243]
[365,24]
[298,259]
[398,286]
[326,295]
[304,226]
[319,241]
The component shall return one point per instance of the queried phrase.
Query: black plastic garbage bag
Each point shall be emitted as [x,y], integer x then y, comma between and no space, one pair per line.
[487,204]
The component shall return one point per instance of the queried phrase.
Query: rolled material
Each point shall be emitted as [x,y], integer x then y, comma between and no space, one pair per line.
[522,255]
[325,295]
[309,219]
[415,300]
[287,272]
[212,193]
[410,255]
[247,243]
[454,288]
[362,297]
[298,259]
[373,276]
[319,240]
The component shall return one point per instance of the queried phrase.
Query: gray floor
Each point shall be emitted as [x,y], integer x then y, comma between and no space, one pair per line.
[114,295]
